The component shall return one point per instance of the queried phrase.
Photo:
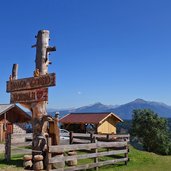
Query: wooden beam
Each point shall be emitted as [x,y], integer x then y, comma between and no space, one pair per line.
[15,71]
[85,156]
[91,165]
[65,148]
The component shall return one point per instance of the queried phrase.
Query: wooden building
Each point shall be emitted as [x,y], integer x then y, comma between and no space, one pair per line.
[101,123]
[12,117]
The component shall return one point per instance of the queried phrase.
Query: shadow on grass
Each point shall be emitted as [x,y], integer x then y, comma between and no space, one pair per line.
[17,163]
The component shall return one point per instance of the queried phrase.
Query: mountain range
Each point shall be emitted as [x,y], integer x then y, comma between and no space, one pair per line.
[123,111]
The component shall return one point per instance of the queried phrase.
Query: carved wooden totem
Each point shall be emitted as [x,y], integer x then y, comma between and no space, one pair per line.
[39,113]
[32,93]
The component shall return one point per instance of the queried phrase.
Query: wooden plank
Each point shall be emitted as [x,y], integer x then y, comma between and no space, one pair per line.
[65,148]
[80,141]
[79,135]
[32,83]
[56,159]
[111,144]
[72,147]
[29,96]
[91,165]
[112,136]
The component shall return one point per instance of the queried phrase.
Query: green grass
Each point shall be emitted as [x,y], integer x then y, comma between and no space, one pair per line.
[139,161]
[15,163]
[142,161]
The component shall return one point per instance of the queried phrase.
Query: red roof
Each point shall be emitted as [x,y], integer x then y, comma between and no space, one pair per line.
[93,118]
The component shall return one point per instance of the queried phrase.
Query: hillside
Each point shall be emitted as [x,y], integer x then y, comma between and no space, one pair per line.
[143,161]
[124,111]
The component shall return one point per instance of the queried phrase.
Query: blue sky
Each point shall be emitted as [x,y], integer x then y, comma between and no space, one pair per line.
[110,51]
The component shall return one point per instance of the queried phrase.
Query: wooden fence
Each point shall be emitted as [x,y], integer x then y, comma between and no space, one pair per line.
[96,151]
[82,138]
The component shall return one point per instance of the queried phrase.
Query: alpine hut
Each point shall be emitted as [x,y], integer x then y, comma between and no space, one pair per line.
[101,123]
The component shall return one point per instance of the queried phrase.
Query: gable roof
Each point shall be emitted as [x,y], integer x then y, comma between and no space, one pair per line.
[93,118]
[5,107]
[14,113]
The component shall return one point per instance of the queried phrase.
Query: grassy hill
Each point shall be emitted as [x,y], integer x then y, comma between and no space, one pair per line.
[143,161]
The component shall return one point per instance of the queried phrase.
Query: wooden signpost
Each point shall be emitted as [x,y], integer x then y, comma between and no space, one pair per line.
[29,96]
[31,83]
[32,93]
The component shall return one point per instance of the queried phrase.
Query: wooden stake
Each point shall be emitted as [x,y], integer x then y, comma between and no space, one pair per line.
[49,166]
[15,71]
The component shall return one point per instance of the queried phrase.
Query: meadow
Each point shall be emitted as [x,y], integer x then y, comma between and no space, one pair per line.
[139,161]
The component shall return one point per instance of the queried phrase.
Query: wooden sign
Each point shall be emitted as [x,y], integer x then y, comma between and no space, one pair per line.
[9,128]
[30,96]
[32,83]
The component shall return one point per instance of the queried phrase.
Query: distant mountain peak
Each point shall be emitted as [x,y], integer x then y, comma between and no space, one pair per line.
[139,100]
[97,104]
[123,111]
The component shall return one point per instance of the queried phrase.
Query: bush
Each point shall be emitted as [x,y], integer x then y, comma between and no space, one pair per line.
[151,131]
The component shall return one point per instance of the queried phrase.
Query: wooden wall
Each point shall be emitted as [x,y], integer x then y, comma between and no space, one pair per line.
[16,129]
[107,126]
[2,133]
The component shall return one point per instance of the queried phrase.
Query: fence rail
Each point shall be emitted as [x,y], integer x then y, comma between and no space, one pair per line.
[96,150]
[83,138]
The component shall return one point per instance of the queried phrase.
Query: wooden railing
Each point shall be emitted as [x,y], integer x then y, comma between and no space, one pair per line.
[95,151]
[82,138]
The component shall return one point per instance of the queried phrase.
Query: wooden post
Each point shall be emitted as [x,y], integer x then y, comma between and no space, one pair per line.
[96,158]
[34,97]
[8,146]
[38,109]
[49,155]
[126,154]
[107,137]
[71,137]
[92,138]
[5,121]
[42,51]
[1,132]
[15,71]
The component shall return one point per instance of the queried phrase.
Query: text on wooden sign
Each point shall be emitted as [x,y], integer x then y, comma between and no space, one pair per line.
[31,83]
[30,96]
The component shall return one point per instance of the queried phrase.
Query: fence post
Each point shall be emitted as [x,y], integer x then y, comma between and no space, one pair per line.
[126,154]
[71,137]
[91,137]
[96,158]
[8,146]
[49,154]
[107,137]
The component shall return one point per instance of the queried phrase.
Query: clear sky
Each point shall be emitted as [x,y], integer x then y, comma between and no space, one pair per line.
[109,51]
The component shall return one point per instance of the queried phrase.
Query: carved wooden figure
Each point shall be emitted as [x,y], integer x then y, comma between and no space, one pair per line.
[32,93]
[39,113]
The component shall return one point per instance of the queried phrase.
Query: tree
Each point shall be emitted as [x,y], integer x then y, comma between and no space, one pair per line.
[151,131]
